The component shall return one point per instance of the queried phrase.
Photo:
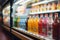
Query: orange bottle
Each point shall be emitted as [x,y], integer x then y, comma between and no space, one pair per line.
[29,24]
[32,24]
[54,6]
[36,20]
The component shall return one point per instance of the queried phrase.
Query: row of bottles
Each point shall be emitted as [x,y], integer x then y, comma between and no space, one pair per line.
[43,25]
[20,22]
[35,1]
[45,7]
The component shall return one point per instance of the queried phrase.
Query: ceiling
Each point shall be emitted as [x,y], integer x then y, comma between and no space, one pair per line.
[2,2]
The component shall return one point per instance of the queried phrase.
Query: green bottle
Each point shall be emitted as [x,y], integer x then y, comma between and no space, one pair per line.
[15,22]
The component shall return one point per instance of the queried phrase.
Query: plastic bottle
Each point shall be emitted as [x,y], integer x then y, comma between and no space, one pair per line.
[49,6]
[29,24]
[54,6]
[45,25]
[50,26]
[40,23]
[36,20]
[58,30]
[18,20]
[55,26]
[41,8]
[23,23]
[36,1]
[58,6]
[15,22]
[45,7]
[32,24]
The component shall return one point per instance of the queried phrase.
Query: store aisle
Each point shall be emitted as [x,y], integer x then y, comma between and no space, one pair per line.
[3,36]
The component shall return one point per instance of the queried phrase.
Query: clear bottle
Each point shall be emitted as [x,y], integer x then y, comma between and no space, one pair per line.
[41,8]
[50,26]
[45,25]
[45,7]
[18,20]
[49,6]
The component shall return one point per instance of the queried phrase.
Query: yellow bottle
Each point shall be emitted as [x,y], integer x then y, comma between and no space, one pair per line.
[58,6]
[36,25]
[29,24]
[18,20]
[41,8]
[32,24]
[54,6]
[45,7]
[36,1]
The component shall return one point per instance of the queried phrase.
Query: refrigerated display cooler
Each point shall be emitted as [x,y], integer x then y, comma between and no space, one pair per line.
[38,19]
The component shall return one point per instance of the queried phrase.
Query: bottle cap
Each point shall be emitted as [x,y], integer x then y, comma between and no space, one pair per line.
[50,15]
[56,15]
[41,15]
[46,15]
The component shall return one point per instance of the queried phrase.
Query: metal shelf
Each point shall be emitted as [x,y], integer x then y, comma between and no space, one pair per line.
[31,34]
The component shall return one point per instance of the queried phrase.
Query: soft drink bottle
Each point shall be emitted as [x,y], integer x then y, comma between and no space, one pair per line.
[50,22]
[29,24]
[40,23]
[15,22]
[35,28]
[54,6]
[22,23]
[55,26]
[58,30]
[58,5]
[32,24]
[18,20]
[45,25]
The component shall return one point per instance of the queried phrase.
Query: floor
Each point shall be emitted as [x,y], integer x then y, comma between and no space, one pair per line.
[3,36]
